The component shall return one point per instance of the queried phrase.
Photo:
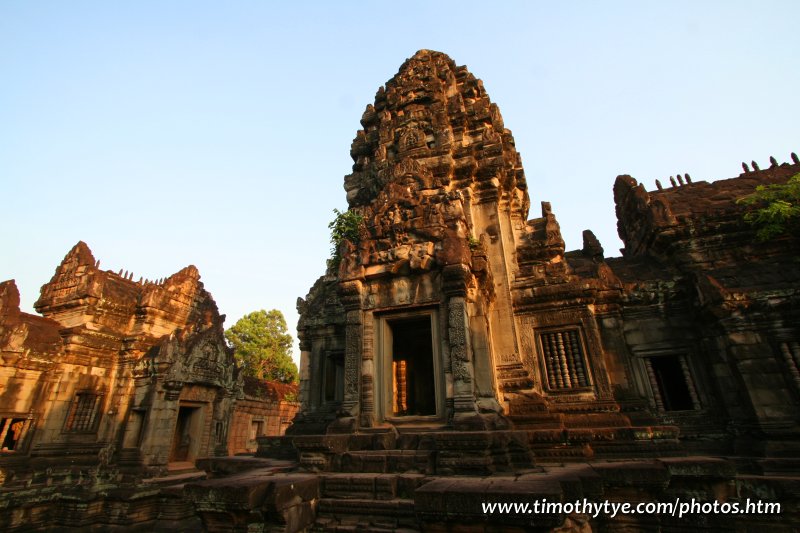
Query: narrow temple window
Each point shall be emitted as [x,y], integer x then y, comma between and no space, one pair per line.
[413,389]
[83,412]
[564,359]
[11,430]
[334,377]
[672,383]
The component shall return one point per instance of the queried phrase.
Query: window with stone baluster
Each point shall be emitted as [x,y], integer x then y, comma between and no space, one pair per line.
[564,359]
[671,383]
[12,429]
[82,416]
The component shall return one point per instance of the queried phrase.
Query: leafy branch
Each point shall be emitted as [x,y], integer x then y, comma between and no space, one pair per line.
[773,209]
[346,226]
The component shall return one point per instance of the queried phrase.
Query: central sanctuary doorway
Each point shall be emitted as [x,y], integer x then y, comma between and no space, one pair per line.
[410,367]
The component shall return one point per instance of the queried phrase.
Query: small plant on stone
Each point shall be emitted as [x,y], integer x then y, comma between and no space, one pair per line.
[346,226]
[773,209]
[474,243]
[290,397]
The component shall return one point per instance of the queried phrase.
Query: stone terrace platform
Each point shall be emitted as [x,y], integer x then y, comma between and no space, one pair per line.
[269,499]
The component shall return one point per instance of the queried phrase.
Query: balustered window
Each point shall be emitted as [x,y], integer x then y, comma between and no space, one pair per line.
[564,359]
[82,417]
[11,432]
[672,383]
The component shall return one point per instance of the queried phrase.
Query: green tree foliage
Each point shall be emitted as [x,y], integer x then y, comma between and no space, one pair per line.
[263,347]
[773,209]
[346,226]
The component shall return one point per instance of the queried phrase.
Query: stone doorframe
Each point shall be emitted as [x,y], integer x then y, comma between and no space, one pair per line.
[383,367]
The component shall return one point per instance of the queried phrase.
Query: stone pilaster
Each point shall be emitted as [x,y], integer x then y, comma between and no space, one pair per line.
[350,296]
[455,278]
[367,418]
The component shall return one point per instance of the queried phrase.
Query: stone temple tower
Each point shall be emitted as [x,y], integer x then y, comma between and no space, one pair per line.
[412,326]
[449,311]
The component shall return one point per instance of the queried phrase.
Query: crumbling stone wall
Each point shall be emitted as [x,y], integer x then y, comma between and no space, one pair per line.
[265,409]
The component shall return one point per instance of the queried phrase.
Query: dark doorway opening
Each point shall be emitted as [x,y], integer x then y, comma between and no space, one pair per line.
[182,439]
[672,385]
[413,386]
[334,377]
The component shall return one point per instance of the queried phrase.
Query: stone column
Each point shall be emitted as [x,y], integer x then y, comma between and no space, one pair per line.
[304,390]
[460,355]
[350,296]
[465,415]
[367,418]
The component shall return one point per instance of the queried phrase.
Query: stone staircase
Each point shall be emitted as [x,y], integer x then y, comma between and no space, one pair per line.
[382,461]
[587,430]
[129,457]
[401,502]
[178,473]
[367,502]
[481,452]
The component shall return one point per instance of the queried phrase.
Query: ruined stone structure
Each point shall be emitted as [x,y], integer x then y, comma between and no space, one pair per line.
[265,408]
[494,326]
[457,337]
[455,354]
[118,381]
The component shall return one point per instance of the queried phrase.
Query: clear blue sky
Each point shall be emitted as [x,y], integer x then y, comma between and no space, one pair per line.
[169,133]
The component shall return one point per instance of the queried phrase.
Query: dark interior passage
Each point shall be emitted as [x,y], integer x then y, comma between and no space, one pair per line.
[671,384]
[334,377]
[182,440]
[412,370]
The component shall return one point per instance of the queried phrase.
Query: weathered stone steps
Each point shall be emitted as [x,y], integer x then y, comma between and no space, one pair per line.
[383,461]
[374,486]
[177,478]
[366,514]
[129,457]
[483,452]
[367,502]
